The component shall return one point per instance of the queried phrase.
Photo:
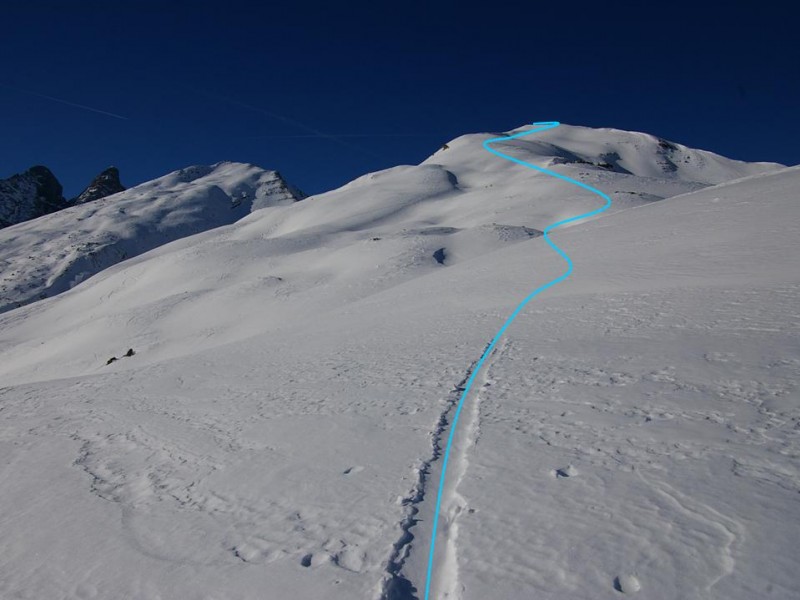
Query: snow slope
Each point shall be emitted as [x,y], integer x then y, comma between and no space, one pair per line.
[639,427]
[373,233]
[49,255]
[277,433]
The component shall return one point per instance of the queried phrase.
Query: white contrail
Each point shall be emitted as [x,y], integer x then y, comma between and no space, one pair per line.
[62,101]
[311,131]
[350,135]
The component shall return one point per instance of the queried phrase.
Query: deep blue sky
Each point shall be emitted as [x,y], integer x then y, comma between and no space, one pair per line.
[201,82]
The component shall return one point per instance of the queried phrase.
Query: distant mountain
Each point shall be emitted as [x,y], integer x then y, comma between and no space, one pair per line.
[37,192]
[49,255]
[29,195]
[103,185]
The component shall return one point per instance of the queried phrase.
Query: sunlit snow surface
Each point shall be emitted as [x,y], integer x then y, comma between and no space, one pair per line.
[637,432]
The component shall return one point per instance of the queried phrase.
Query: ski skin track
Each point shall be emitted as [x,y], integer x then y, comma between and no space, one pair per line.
[538,127]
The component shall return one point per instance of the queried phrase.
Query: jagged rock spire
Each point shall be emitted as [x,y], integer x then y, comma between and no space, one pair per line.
[105,184]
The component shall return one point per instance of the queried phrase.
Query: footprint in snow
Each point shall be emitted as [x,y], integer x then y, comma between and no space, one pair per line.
[568,471]
[315,560]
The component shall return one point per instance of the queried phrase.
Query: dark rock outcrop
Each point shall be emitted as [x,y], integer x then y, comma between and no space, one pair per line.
[103,185]
[29,195]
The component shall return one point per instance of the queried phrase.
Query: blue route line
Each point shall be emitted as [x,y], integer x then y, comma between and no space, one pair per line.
[544,126]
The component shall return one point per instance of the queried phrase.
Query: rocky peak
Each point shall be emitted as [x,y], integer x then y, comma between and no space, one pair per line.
[28,195]
[105,184]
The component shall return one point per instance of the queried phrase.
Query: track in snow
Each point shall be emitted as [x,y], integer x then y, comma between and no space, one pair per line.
[395,586]
[450,501]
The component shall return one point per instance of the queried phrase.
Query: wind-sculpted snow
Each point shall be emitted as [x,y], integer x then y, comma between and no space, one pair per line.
[635,435]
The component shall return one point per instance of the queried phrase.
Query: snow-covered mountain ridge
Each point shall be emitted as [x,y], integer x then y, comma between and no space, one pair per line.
[372,233]
[52,254]
[278,431]
[615,150]
[49,255]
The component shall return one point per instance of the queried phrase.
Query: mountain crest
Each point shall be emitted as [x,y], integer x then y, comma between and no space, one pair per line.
[105,184]
[28,195]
